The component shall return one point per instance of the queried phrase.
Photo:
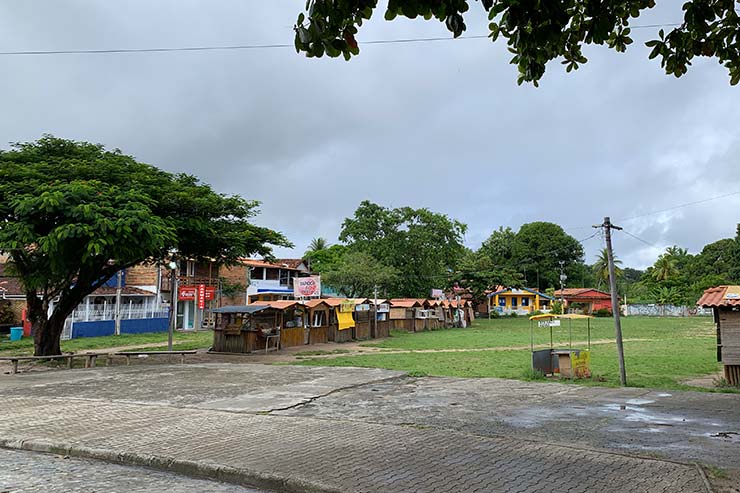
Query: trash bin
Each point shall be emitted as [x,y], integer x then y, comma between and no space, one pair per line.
[16,333]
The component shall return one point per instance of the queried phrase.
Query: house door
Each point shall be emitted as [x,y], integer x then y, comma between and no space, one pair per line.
[185,314]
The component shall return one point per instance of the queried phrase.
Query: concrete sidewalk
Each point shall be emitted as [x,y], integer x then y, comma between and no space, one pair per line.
[291,428]
[305,454]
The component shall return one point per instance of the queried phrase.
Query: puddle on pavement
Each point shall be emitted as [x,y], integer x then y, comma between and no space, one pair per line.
[636,414]
[639,402]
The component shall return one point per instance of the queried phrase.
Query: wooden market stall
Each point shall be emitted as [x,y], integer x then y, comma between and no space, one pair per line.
[402,313]
[725,304]
[319,317]
[244,328]
[293,331]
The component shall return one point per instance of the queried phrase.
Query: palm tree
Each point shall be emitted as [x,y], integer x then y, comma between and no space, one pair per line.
[316,245]
[665,268]
[601,267]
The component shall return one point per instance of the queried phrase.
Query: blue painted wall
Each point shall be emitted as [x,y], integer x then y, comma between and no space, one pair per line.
[140,326]
[100,328]
[93,329]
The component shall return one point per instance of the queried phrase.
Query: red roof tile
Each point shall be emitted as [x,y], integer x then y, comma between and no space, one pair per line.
[586,293]
[718,296]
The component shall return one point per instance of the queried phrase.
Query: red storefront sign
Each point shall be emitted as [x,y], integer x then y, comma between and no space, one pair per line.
[201,293]
[201,296]
[210,292]
[186,293]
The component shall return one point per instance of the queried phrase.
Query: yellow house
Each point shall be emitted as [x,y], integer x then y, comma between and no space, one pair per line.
[520,301]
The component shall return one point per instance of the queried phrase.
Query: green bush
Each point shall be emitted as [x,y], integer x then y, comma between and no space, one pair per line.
[557,308]
[603,312]
[531,374]
[495,314]
[7,315]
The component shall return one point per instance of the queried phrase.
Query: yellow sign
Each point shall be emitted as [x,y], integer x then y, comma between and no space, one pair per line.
[581,361]
[345,320]
[347,306]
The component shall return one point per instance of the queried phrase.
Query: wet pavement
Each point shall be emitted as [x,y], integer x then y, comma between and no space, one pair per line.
[32,472]
[687,426]
[356,429]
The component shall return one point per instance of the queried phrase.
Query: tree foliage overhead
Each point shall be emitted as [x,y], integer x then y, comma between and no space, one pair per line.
[74,214]
[422,245]
[538,31]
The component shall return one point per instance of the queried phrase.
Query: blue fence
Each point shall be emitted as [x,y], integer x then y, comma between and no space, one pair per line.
[142,325]
[100,328]
[93,329]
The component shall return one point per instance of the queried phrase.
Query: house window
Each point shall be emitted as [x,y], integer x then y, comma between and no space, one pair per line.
[187,268]
[319,318]
[257,273]
[513,301]
[273,274]
[502,302]
[284,276]
[525,301]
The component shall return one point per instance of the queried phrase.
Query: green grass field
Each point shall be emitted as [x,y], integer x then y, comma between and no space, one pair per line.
[182,340]
[668,351]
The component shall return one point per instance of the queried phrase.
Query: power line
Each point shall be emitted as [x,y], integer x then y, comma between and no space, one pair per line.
[256,46]
[640,239]
[687,204]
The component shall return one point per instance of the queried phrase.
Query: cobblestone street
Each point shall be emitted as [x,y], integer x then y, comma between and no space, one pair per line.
[31,472]
[321,429]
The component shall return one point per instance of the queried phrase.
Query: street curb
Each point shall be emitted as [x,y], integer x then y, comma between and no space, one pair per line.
[195,469]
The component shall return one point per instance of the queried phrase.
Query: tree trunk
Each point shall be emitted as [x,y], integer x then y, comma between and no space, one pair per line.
[46,338]
[47,331]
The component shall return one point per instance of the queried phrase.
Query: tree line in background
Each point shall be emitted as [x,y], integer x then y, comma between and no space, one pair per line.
[406,252]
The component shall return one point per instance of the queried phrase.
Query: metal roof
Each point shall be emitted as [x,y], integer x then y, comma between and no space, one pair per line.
[531,291]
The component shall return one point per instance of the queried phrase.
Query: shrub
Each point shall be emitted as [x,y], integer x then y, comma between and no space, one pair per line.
[557,308]
[7,315]
[603,312]
[532,374]
[495,314]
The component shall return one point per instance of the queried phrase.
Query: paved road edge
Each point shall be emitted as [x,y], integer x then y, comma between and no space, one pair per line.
[195,469]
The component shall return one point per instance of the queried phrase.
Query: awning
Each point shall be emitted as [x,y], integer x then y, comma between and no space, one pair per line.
[240,309]
[564,315]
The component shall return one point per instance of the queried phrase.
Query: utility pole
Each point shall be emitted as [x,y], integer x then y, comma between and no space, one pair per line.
[119,288]
[608,226]
[173,304]
[563,277]
[375,311]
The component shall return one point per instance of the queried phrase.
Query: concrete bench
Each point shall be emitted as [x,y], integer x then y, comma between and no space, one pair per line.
[128,354]
[90,359]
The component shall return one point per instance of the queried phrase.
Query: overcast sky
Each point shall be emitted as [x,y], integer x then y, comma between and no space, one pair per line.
[441,125]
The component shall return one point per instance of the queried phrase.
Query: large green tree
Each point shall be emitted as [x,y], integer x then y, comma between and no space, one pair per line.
[538,249]
[499,247]
[422,245]
[357,274]
[538,32]
[325,259]
[74,214]
[477,273]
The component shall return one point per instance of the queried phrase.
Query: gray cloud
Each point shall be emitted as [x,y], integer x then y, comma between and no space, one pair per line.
[440,125]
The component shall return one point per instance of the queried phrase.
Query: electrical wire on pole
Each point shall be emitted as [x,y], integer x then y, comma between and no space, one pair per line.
[607,227]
